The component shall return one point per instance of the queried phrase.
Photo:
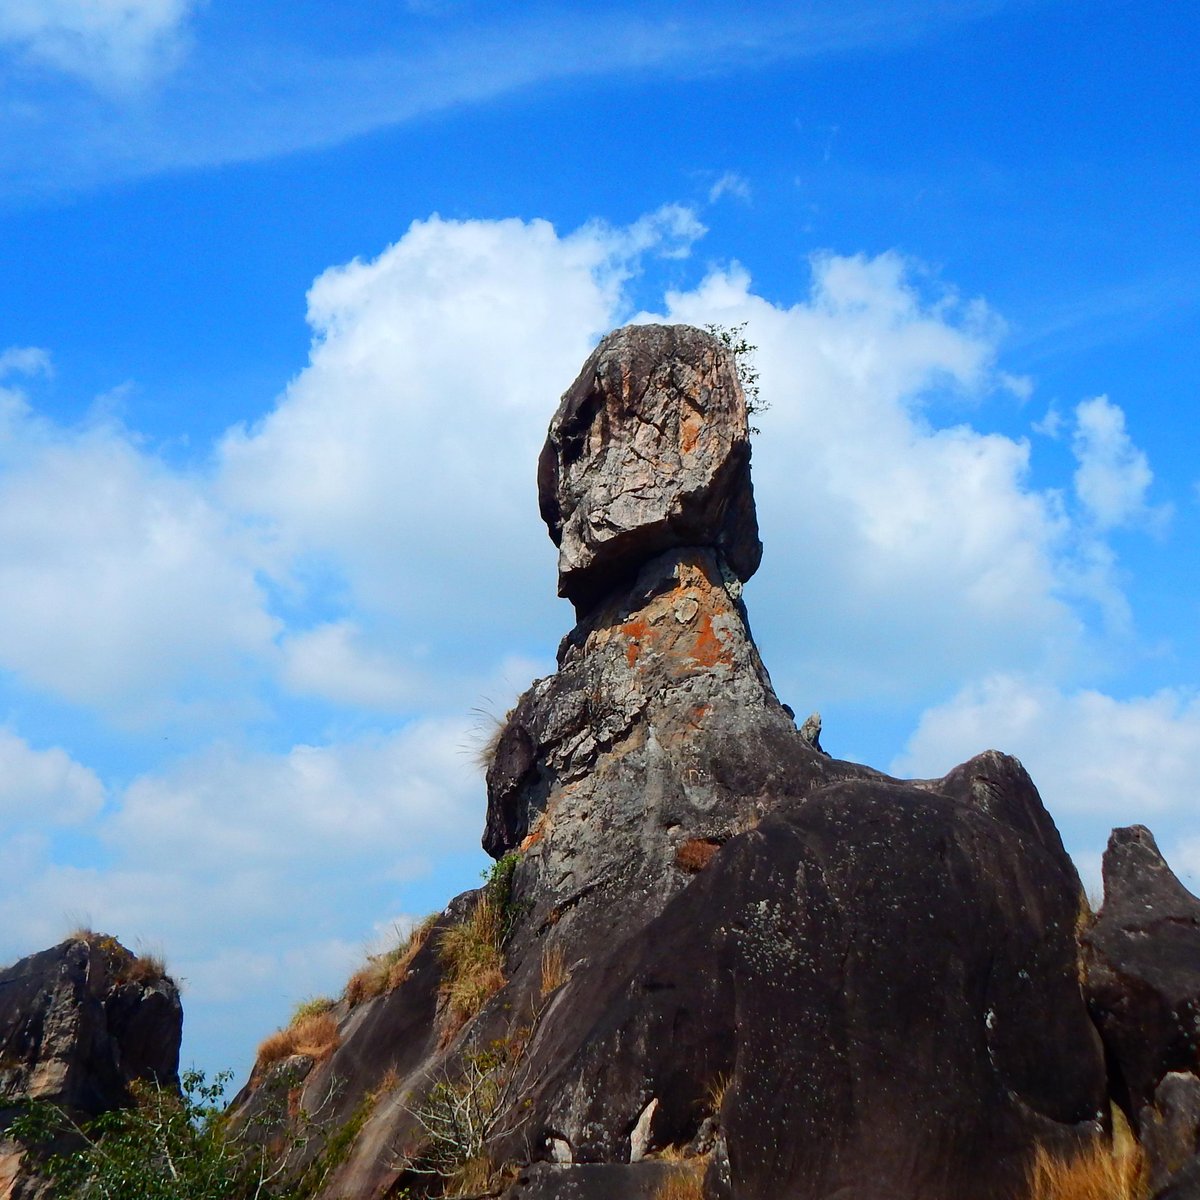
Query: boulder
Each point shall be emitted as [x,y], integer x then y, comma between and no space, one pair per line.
[1171,1129]
[871,993]
[1142,957]
[80,1024]
[649,450]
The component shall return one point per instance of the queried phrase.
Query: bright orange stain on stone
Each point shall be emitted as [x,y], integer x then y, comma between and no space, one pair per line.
[635,631]
[708,649]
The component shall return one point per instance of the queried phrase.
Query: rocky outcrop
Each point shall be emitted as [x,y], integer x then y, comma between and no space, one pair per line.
[649,450]
[1142,958]
[722,947]
[1143,970]
[79,1024]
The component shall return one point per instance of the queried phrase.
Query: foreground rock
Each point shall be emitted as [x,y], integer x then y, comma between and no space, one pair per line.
[722,947]
[870,994]
[1143,969]
[79,1024]
[1142,957]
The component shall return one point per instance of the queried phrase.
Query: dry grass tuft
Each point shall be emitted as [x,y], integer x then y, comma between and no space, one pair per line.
[413,944]
[315,1035]
[472,1178]
[485,751]
[715,1095]
[385,972]
[145,968]
[686,1182]
[1095,1173]
[126,967]
[695,854]
[473,964]
[554,970]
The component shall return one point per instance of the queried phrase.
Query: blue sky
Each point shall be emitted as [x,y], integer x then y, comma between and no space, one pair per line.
[291,293]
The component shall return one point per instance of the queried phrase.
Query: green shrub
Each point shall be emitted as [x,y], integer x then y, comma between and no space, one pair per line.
[168,1146]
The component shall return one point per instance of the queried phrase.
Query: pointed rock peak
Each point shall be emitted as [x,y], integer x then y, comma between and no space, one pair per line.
[1138,881]
[649,450]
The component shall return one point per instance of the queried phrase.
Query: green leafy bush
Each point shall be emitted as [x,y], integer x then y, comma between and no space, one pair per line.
[733,338]
[168,1146]
[182,1146]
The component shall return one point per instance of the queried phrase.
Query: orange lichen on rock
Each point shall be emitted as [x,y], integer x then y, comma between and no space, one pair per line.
[636,631]
[708,649]
[690,425]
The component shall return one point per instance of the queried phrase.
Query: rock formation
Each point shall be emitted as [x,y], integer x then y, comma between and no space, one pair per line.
[79,1024]
[649,450]
[710,952]
[1142,956]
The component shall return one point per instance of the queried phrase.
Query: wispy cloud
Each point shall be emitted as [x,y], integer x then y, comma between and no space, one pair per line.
[110,44]
[730,184]
[257,99]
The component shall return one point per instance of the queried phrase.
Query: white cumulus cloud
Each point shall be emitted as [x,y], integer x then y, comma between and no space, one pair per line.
[44,786]
[899,554]
[331,661]
[1113,475]
[1133,759]
[125,588]
[402,457]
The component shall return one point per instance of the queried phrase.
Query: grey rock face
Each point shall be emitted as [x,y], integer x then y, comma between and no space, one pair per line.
[1143,970]
[79,1023]
[649,450]
[1171,1129]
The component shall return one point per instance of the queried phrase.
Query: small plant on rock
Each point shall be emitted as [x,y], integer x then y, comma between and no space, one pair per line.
[168,1146]
[733,338]
[472,952]
[461,1112]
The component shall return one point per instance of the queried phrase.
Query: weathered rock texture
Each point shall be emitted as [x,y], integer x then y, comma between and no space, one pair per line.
[648,450]
[1143,969]
[1170,1129]
[79,1024]
[823,982]
[1142,957]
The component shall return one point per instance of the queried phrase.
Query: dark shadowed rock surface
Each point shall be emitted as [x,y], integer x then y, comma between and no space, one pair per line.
[1183,1186]
[601,1181]
[1170,1128]
[723,945]
[79,1023]
[884,979]
[1143,970]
